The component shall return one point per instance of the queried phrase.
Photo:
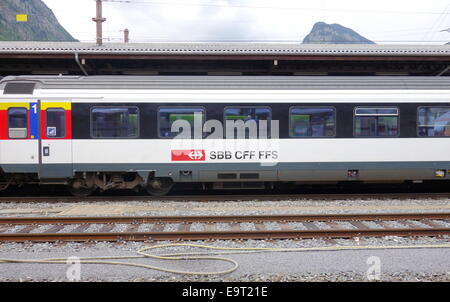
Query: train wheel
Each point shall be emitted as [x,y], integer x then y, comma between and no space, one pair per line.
[159,186]
[77,187]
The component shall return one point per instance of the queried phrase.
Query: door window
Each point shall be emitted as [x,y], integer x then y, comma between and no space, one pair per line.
[17,123]
[56,123]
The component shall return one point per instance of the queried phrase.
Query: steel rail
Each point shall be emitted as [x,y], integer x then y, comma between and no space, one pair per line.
[231,197]
[223,235]
[225,218]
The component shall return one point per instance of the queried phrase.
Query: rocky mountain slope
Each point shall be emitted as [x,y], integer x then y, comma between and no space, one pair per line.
[42,24]
[323,33]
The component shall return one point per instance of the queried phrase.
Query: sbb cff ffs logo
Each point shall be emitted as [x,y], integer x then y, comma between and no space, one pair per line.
[188,155]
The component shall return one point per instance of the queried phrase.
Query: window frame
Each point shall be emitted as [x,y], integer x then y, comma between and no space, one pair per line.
[313,137]
[376,115]
[417,121]
[46,122]
[138,126]
[28,122]
[204,134]
[269,128]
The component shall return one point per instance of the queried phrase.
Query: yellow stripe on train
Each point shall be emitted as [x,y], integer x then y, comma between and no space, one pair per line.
[63,105]
[6,106]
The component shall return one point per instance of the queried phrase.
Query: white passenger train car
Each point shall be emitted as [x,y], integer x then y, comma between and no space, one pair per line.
[112,132]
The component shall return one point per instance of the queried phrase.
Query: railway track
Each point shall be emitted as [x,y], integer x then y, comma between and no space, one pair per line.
[231,197]
[174,228]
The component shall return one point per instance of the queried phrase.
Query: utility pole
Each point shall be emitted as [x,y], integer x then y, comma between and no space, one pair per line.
[126,35]
[99,20]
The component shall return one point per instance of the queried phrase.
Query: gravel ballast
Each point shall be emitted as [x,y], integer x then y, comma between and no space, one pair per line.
[177,208]
[418,264]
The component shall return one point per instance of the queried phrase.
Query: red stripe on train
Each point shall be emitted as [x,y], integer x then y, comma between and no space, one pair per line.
[43,133]
[68,125]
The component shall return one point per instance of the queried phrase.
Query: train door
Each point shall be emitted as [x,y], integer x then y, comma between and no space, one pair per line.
[19,136]
[55,148]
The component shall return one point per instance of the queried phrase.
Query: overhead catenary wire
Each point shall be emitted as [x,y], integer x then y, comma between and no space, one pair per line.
[137,39]
[141,39]
[209,4]
[441,18]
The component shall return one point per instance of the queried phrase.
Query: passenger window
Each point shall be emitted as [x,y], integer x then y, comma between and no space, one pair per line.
[115,122]
[186,117]
[312,122]
[433,121]
[56,123]
[376,122]
[18,123]
[247,122]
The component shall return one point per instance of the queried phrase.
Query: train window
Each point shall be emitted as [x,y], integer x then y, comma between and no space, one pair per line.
[18,123]
[56,123]
[376,122]
[433,121]
[312,122]
[255,122]
[115,122]
[376,111]
[186,117]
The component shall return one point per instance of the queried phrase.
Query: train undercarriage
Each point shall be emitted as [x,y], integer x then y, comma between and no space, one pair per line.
[86,183]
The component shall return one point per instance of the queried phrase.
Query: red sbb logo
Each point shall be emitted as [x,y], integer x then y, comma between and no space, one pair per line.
[188,155]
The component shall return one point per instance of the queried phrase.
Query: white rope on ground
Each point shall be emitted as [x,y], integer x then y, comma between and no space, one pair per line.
[204,256]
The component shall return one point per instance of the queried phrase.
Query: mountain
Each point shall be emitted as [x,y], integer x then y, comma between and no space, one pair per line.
[42,24]
[323,33]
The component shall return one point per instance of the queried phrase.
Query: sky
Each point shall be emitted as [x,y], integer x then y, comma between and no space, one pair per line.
[382,21]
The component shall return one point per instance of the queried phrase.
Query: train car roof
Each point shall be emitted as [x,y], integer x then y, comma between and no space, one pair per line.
[26,84]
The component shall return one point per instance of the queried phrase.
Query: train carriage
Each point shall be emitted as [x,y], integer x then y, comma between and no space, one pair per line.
[117,132]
